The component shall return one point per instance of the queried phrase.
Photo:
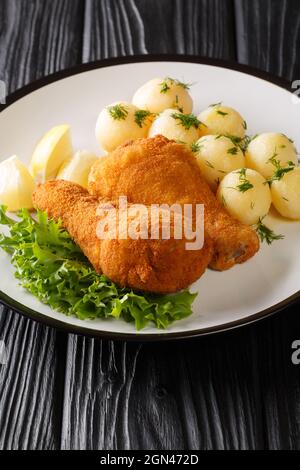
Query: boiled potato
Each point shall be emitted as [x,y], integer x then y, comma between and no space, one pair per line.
[286,194]
[120,122]
[176,126]
[245,195]
[217,156]
[77,169]
[222,120]
[16,185]
[163,93]
[266,149]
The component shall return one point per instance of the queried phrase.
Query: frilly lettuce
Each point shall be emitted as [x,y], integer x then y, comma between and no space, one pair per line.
[53,268]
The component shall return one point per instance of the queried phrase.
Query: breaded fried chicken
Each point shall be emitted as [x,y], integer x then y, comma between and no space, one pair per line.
[160,171]
[160,265]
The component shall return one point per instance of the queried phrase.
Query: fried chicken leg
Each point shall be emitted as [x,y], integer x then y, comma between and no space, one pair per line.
[160,171]
[160,265]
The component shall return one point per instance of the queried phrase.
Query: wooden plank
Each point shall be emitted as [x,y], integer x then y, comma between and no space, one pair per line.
[268,35]
[127,27]
[31,384]
[37,38]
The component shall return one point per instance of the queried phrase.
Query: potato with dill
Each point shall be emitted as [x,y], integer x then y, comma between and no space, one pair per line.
[217,156]
[121,122]
[183,128]
[222,120]
[266,151]
[245,195]
[164,93]
[285,190]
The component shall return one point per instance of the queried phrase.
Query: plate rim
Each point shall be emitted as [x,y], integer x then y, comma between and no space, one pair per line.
[135,336]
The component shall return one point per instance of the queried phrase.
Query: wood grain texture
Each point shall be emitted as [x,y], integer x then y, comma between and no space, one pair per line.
[268,35]
[30,384]
[37,38]
[233,391]
[127,27]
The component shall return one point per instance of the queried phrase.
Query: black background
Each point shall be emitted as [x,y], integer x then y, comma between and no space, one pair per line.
[237,390]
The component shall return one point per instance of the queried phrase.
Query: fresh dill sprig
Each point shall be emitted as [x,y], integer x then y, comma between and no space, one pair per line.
[140,116]
[222,113]
[118,112]
[233,151]
[167,82]
[196,147]
[209,164]
[164,86]
[288,138]
[280,171]
[239,142]
[265,233]
[245,184]
[177,104]
[186,120]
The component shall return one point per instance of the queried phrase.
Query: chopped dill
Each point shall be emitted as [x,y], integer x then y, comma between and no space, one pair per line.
[140,116]
[222,113]
[196,147]
[167,82]
[118,112]
[265,233]
[187,120]
[233,151]
[280,171]
[245,184]
[177,105]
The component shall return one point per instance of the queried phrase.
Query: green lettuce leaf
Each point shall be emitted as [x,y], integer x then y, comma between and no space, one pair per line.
[53,268]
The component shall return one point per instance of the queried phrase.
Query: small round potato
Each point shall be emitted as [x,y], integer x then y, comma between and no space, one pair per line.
[222,120]
[176,126]
[286,194]
[120,122]
[217,156]
[163,93]
[245,195]
[265,149]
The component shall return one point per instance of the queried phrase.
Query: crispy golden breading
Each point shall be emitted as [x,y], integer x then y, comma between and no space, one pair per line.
[160,171]
[160,266]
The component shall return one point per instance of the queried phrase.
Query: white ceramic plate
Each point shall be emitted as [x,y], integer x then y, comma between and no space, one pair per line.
[265,284]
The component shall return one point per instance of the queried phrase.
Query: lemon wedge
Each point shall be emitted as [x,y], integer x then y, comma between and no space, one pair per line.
[78,168]
[16,185]
[51,152]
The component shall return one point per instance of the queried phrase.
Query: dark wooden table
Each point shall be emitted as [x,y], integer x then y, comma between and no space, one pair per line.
[233,391]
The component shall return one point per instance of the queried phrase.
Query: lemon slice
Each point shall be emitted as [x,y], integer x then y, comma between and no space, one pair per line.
[16,185]
[51,152]
[78,168]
